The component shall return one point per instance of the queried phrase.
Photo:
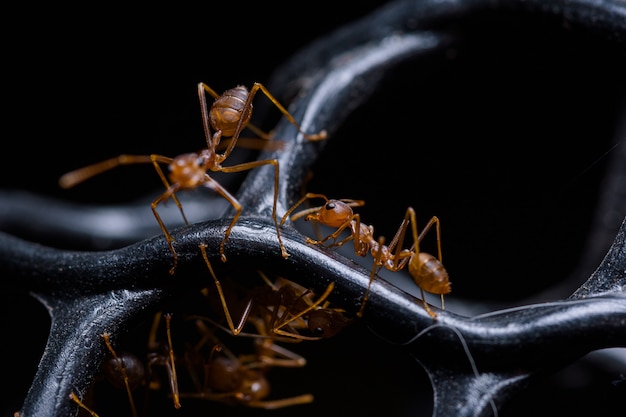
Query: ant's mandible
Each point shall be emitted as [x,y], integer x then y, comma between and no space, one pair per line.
[426,270]
[78,401]
[227,117]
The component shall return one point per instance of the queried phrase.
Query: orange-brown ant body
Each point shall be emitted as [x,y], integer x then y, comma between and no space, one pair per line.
[292,311]
[285,309]
[241,379]
[225,119]
[426,270]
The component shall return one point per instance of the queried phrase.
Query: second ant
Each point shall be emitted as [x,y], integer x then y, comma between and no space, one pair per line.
[426,270]
[225,119]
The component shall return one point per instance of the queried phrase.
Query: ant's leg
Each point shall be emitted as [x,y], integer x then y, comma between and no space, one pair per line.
[159,359]
[254,164]
[204,109]
[168,237]
[281,403]
[415,248]
[312,137]
[107,340]
[360,247]
[302,213]
[235,330]
[334,237]
[434,221]
[417,238]
[283,323]
[213,139]
[402,256]
[156,159]
[373,272]
[439,255]
[208,89]
[171,365]
[72,178]
[283,251]
[426,306]
[315,214]
[353,203]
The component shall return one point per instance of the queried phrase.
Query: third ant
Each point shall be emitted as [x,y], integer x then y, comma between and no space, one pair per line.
[426,271]
[127,371]
[225,119]
[284,308]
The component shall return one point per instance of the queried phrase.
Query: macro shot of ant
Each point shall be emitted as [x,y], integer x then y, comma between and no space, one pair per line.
[426,270]
[224,120]
[239,379]
[285,309]
[126,371]
[195,363]
[292,311]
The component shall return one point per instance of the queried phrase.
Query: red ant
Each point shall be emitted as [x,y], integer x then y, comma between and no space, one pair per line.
[125,370]
[160,354]
[227,117]
[426,271]
[285,309]
[291,309]
[240,379]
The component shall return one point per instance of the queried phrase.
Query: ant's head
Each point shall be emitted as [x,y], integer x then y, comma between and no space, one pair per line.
[326,322]
[188,170]
[334,213]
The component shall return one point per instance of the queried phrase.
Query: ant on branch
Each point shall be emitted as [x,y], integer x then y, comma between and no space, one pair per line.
[227,117]
[126,371]
[290,310]
[426,271]
[240,379]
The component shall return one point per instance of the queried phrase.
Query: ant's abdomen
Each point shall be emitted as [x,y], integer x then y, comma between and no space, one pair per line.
[227,109]
[429,274]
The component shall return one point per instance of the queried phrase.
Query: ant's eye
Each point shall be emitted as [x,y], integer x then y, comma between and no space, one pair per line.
[330,206]
[318,331]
